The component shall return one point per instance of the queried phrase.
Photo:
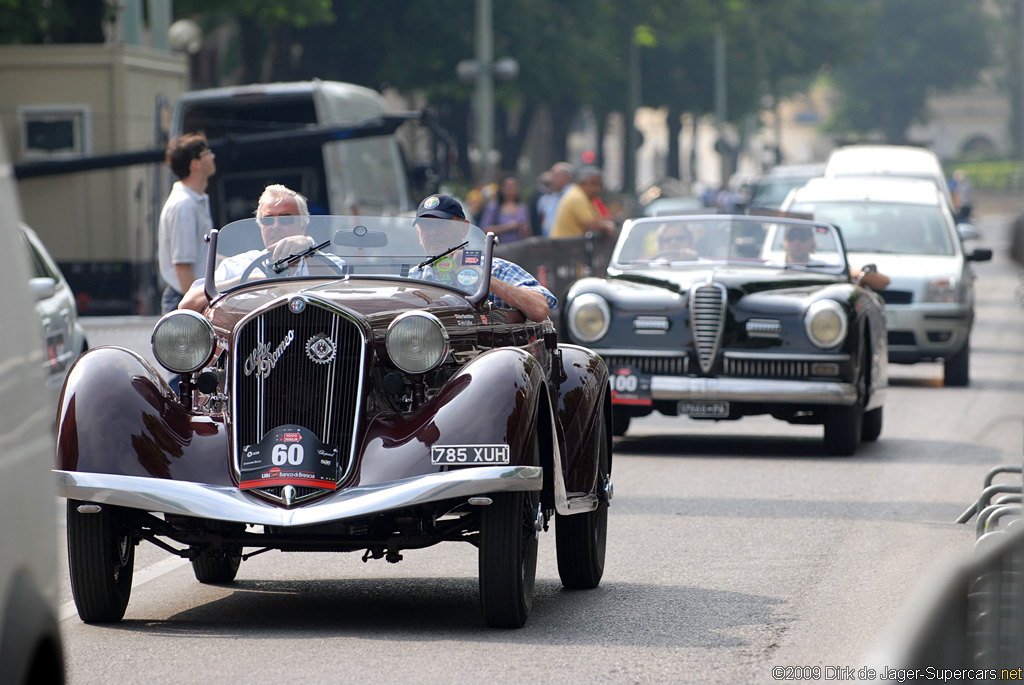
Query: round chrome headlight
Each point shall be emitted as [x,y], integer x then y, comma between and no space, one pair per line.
[183,341]
[825,323]
[417,342]
[589,317]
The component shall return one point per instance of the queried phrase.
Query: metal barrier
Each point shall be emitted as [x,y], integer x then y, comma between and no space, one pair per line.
[974,622]
[970,626]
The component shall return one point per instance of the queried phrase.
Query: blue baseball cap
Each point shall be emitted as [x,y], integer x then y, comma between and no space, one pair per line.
[440,207]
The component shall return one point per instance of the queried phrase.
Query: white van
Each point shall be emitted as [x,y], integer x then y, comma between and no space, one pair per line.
[30,643]
[365,175]
[887,160]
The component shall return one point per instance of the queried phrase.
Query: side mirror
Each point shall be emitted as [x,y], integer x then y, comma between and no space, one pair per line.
[968,232]
[979,254]
[43,288]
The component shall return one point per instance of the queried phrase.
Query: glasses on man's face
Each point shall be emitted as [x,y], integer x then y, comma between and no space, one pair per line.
[799,235]
[268,221]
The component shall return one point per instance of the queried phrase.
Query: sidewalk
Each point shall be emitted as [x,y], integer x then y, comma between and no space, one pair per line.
[132,332]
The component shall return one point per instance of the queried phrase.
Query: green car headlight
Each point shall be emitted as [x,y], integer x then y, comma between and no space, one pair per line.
[182,341]
[417,342]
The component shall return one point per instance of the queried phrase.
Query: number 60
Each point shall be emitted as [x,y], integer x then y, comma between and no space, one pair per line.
[287,453]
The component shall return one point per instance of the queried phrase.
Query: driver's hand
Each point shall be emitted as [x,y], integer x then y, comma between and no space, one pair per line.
[290,245]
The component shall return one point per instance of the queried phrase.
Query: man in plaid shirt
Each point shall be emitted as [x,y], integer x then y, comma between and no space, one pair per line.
[511,285]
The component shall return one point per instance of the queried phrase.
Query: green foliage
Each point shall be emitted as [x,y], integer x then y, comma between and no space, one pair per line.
[996,175]
[52,21]
[298,13]
[915,49]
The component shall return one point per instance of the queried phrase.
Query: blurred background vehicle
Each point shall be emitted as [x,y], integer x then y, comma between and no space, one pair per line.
[888,160]
[906,228]
[770,190]
[63,335]
[30,642]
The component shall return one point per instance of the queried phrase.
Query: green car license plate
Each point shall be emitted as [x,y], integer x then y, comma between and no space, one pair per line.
[704,409]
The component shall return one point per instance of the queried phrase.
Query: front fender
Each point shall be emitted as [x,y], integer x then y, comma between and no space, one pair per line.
[581,399]
[117,415]
[492,400]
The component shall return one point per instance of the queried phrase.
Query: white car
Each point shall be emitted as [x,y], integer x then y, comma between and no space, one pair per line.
[30,642]
[63,335]
[900,161]
[906,228]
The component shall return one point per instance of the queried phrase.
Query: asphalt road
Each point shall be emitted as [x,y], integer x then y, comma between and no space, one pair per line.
[733,548]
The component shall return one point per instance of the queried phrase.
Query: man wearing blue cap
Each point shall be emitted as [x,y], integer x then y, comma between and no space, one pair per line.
[511,285]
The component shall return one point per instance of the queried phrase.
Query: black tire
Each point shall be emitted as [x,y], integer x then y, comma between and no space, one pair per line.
[844,426]
[957,369]
[101,557]
[508,557]
[620,423]
[217,566]
[872,426]
[581,539]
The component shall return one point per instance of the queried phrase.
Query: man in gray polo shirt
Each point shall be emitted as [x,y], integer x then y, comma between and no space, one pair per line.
[185,218]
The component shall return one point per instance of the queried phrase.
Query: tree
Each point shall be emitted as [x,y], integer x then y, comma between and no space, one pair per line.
[264,28]
[916,49]
[56,21]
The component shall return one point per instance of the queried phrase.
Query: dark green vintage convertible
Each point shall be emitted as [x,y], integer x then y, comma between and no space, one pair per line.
[718,317]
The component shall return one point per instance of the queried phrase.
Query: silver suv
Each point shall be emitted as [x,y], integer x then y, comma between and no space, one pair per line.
[30,644]
[907,229]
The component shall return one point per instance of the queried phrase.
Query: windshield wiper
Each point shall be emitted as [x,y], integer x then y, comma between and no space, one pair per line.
[428,260]
[282,264]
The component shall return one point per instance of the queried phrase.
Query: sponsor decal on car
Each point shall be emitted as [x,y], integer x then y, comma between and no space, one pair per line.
[468,276]
[289,455]
[629,387]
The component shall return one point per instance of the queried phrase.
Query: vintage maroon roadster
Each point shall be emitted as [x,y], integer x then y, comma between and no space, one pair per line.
[363,396]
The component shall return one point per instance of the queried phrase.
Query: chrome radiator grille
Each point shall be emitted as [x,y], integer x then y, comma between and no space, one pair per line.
[707,314]
[664,366]
[766,368]
[286,373]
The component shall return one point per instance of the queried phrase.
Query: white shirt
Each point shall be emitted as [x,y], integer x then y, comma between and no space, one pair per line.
[234,267]
[184,222]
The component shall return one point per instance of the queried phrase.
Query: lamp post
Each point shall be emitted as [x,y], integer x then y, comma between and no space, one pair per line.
[481,72]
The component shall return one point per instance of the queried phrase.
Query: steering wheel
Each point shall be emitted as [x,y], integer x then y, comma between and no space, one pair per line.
[265,264]
[262,260]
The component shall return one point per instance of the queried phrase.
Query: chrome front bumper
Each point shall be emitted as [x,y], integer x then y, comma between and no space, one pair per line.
[231,504]
[753,390]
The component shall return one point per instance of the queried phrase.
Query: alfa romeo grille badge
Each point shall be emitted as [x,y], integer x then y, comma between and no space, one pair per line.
[320,349]
[297,305]
[262,360]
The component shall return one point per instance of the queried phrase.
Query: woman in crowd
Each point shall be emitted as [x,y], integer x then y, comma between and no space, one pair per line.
[506,215]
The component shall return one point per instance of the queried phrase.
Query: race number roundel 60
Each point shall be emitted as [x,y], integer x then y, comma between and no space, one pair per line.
[290,454]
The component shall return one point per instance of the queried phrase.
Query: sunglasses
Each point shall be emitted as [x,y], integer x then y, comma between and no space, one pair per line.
[799,235]
[267,221]
[676,239]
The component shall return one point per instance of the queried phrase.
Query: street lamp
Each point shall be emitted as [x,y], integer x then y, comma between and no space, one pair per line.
[481,72]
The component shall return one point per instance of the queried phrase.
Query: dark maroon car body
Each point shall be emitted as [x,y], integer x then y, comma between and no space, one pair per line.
[138,461]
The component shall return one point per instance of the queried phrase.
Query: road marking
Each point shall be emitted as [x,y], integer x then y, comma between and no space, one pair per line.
[141,577]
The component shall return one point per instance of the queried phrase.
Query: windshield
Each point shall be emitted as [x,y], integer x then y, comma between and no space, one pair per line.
[886,227]
[702,241]
[356,247]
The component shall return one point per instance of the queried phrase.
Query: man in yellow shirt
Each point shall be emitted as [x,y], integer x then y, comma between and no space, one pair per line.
[576,213]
